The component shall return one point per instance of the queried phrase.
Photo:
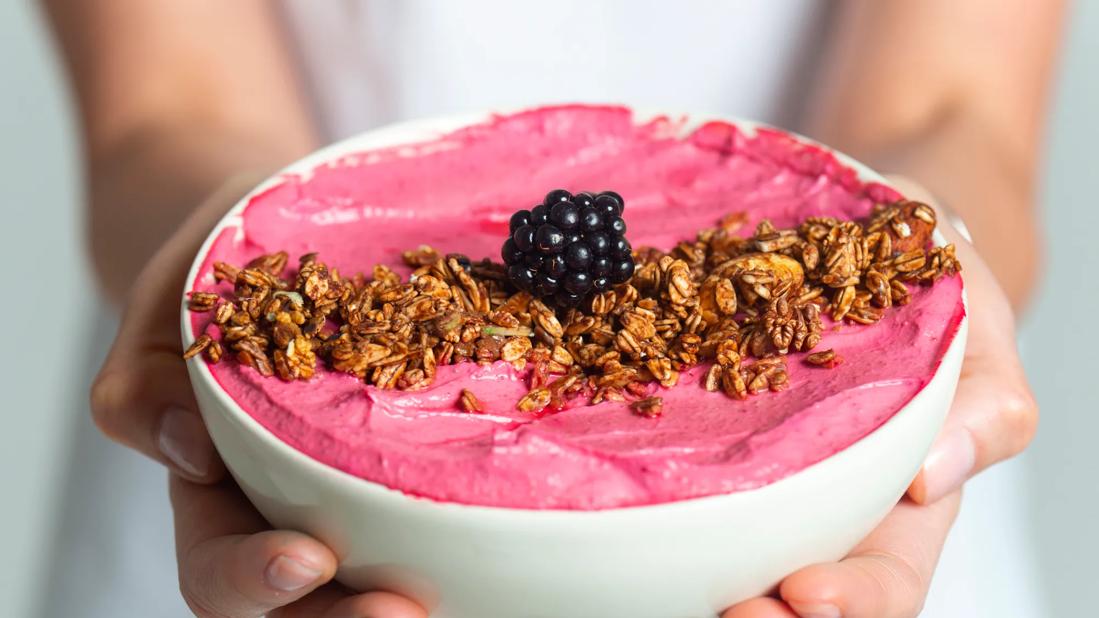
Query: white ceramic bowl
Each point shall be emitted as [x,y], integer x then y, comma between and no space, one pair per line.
[682,559]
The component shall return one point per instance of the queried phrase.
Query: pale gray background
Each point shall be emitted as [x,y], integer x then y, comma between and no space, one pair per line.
[53,334]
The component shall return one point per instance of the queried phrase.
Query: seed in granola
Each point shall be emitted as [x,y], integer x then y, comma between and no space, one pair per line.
[202,301]
[468,402]
[534,401]
[201,343]
[514,349]
[767,268]
[225,272]
[909,223]
[825,358]
[732,383]
[649,407]
[224,313]
[214,352]
[273,263]
[842,304]
[462,260]
[250,353]
[424,255]
[910,261]
[712,381]
[732,222]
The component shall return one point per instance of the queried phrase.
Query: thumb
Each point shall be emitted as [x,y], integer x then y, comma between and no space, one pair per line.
[994,415]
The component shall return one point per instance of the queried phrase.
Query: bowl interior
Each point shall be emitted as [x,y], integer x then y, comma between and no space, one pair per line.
[425,130]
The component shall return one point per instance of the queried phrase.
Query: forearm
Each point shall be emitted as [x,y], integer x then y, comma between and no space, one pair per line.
[175,98]
[962,164]
[142,188]
[954,96]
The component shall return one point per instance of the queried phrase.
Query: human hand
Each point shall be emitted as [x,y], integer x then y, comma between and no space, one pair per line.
[993,417]
[231,565]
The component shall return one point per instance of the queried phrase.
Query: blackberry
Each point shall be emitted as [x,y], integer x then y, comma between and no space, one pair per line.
[590,219]
[521,276]
[599,242]
[601,266]
[584,199]
[545,285]
[569,246]
[578,282]
[534,261]
[577,255]
[548,239]
[555,266]
[524,238]
[609,204]
[565,215]
[518,220]
[622,271]
[539,214]
[620,248]
[557,195]
[510,253]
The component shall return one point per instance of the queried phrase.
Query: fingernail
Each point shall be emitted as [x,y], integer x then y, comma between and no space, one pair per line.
[287,574]
[184,441]
[949,463]
[820,610]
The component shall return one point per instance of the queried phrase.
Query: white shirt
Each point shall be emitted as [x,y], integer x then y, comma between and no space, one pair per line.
[372,62]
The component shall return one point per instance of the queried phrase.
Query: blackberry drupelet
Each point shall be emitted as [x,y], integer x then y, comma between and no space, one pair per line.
[569,246]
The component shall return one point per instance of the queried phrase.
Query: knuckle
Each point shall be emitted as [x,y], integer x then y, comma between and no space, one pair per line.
[1019,411]
[194,605]
[110,396]
[198,604]
[900,581]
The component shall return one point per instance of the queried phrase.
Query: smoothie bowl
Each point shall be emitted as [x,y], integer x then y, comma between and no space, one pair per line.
[787,381]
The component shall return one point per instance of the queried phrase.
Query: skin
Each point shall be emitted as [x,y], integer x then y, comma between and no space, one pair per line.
[950,94]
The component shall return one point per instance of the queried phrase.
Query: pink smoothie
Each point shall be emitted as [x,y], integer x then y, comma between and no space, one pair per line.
[456,193]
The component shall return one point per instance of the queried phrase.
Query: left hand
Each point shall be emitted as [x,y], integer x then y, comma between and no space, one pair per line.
[993,417]
[231,564]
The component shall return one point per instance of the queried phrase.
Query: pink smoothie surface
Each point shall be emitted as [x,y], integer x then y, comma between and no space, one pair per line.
[456,193]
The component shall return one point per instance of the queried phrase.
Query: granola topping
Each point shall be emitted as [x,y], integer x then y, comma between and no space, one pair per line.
[720,299]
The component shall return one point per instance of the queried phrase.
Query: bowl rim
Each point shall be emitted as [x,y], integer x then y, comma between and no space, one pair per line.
[419,130]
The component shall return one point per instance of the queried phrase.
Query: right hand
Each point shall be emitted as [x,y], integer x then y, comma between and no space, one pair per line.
[231,565]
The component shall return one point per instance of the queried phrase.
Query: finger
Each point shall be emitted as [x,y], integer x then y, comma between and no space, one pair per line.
[313,605]
[334,601]
[994,415]
[148,405]
[142,397]
[376,605]
[761,607]
[886,576]
[227,567]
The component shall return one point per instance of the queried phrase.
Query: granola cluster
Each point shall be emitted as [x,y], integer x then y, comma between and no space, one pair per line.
[740,303]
